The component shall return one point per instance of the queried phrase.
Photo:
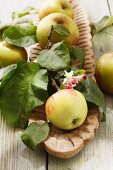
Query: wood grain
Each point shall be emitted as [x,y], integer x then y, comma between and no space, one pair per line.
[9,6]
[67,144]
[98,155]
[14,155]
[110,4]
[96,9]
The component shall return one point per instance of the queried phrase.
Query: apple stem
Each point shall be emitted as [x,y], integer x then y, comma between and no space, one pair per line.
[49,38]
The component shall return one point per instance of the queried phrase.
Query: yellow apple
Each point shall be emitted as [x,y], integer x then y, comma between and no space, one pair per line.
[66,109]
[44,29]
[56,6]
[11,54]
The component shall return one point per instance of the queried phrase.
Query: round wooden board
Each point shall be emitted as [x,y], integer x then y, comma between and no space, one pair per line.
[65,144]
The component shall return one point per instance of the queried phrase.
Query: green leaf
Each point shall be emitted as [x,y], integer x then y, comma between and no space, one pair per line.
[10,73]
[61,29]
[27,11]
[22,35]
[5,70]
[23,90]
[1,32]
[2,29]
[77,53]
[103,23]
[92,93]
[103,36]
[35,134]
[78,72]
[26,16]
[103,41]
[56,58]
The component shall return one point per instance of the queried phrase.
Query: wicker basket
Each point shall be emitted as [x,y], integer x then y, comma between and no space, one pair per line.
[65,144]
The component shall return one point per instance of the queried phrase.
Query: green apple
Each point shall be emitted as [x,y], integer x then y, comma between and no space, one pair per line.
[44,29]
[66,109]
[104,72]
[10,54]
[56,6]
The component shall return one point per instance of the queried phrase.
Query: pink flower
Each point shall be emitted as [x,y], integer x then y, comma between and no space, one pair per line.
[74,81]
[68,86]
[84,77]
[70,81]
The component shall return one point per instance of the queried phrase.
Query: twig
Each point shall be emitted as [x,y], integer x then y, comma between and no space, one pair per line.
[49,38]
[54,83]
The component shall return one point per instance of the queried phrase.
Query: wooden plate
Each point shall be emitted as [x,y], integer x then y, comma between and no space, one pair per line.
[65,144]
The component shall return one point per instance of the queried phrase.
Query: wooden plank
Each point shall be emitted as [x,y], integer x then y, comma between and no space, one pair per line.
[110,3]
[16,5]
[96,9]
[14,155]
[98,154]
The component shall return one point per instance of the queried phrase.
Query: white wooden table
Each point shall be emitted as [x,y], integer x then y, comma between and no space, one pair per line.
[97,155]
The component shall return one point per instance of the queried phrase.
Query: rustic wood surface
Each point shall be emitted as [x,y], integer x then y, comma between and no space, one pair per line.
[97,155]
